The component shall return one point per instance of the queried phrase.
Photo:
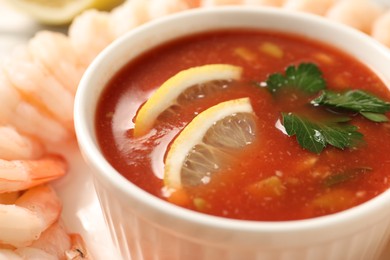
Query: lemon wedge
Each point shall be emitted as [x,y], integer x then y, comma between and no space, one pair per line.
[58,12]
[178,86]
[209,143]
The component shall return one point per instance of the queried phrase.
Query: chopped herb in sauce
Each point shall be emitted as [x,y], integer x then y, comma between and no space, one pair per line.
[315,136]
[345,176]
[306,77]
[338,132]
[369,106]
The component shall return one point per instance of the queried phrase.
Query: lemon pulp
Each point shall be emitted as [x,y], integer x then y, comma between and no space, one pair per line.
[208,143]
[181,88]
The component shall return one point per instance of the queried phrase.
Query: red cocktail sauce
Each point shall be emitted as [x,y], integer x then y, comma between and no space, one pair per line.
[239,192]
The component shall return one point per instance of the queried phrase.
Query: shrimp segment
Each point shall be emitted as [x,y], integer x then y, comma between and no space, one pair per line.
[32,213]
[90,33]
[127,16]
[59,57]
[9,197]
[13,145]
[54,241]
[359,14]
[34,254]
[381,29]
[38,87]
[26,118]
[319,7]
[78,251]
[7,254]
[209,3]
[18,175]
[158,8]
[276,3]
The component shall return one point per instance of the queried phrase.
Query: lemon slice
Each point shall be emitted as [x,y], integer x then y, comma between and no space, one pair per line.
[57,12]
[171,90]
[209,142]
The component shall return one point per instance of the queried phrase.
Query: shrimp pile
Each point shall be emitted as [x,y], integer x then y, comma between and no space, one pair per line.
[38,82]
[30,221]
[37,107]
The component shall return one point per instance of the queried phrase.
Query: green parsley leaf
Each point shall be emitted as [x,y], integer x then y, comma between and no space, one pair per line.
[370,106]
[315,136]
[375,117]
[306,77]
[345,176]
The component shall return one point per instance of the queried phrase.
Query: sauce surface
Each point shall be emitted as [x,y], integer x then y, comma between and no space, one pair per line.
[275,178]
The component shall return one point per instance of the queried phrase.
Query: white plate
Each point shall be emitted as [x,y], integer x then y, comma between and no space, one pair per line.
[81,211]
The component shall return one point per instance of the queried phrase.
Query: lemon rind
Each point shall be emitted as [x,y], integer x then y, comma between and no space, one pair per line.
[168,92]
[193,134]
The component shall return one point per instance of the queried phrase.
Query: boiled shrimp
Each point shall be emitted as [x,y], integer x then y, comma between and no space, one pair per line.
[275,3]
[90,33]
[25,117]
[54,240]
[57,55]
[128,16]
[39,87]
[319,7]
[359,14]
[136,12]
[9,197]
[16,175]
[54,243]
[14,145]
[78,250]
[381,29]
[158,8]
[209,3]
[33,212]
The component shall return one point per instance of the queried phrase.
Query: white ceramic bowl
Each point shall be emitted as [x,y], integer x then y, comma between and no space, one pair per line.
[145,227]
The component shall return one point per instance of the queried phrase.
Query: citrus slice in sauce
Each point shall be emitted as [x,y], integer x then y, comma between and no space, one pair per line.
[209,143]
[178,87]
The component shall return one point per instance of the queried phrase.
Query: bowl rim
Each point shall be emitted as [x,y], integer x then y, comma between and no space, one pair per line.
[104,170]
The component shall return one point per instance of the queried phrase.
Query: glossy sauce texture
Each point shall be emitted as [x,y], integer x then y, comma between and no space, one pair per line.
[273,179]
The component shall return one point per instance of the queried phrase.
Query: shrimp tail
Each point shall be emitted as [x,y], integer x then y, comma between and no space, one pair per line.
[78,251]
[16,175]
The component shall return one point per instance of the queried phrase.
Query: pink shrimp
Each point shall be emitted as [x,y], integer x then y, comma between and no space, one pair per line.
[158,8]
[14,145]
[54,243]
[39,87]
[9,197]
[90,33]
[56,54]
[78,249]
[275,3]
[319,7]
[26,118]
[127,16]
[16,175]
[359,14]
[209,3]
[381,29]
[33,212]
[54,240]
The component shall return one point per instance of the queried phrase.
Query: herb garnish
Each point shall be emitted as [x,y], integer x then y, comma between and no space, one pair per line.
[314,136]
[347,175]
[336,131]
[306,77]
[359,101]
